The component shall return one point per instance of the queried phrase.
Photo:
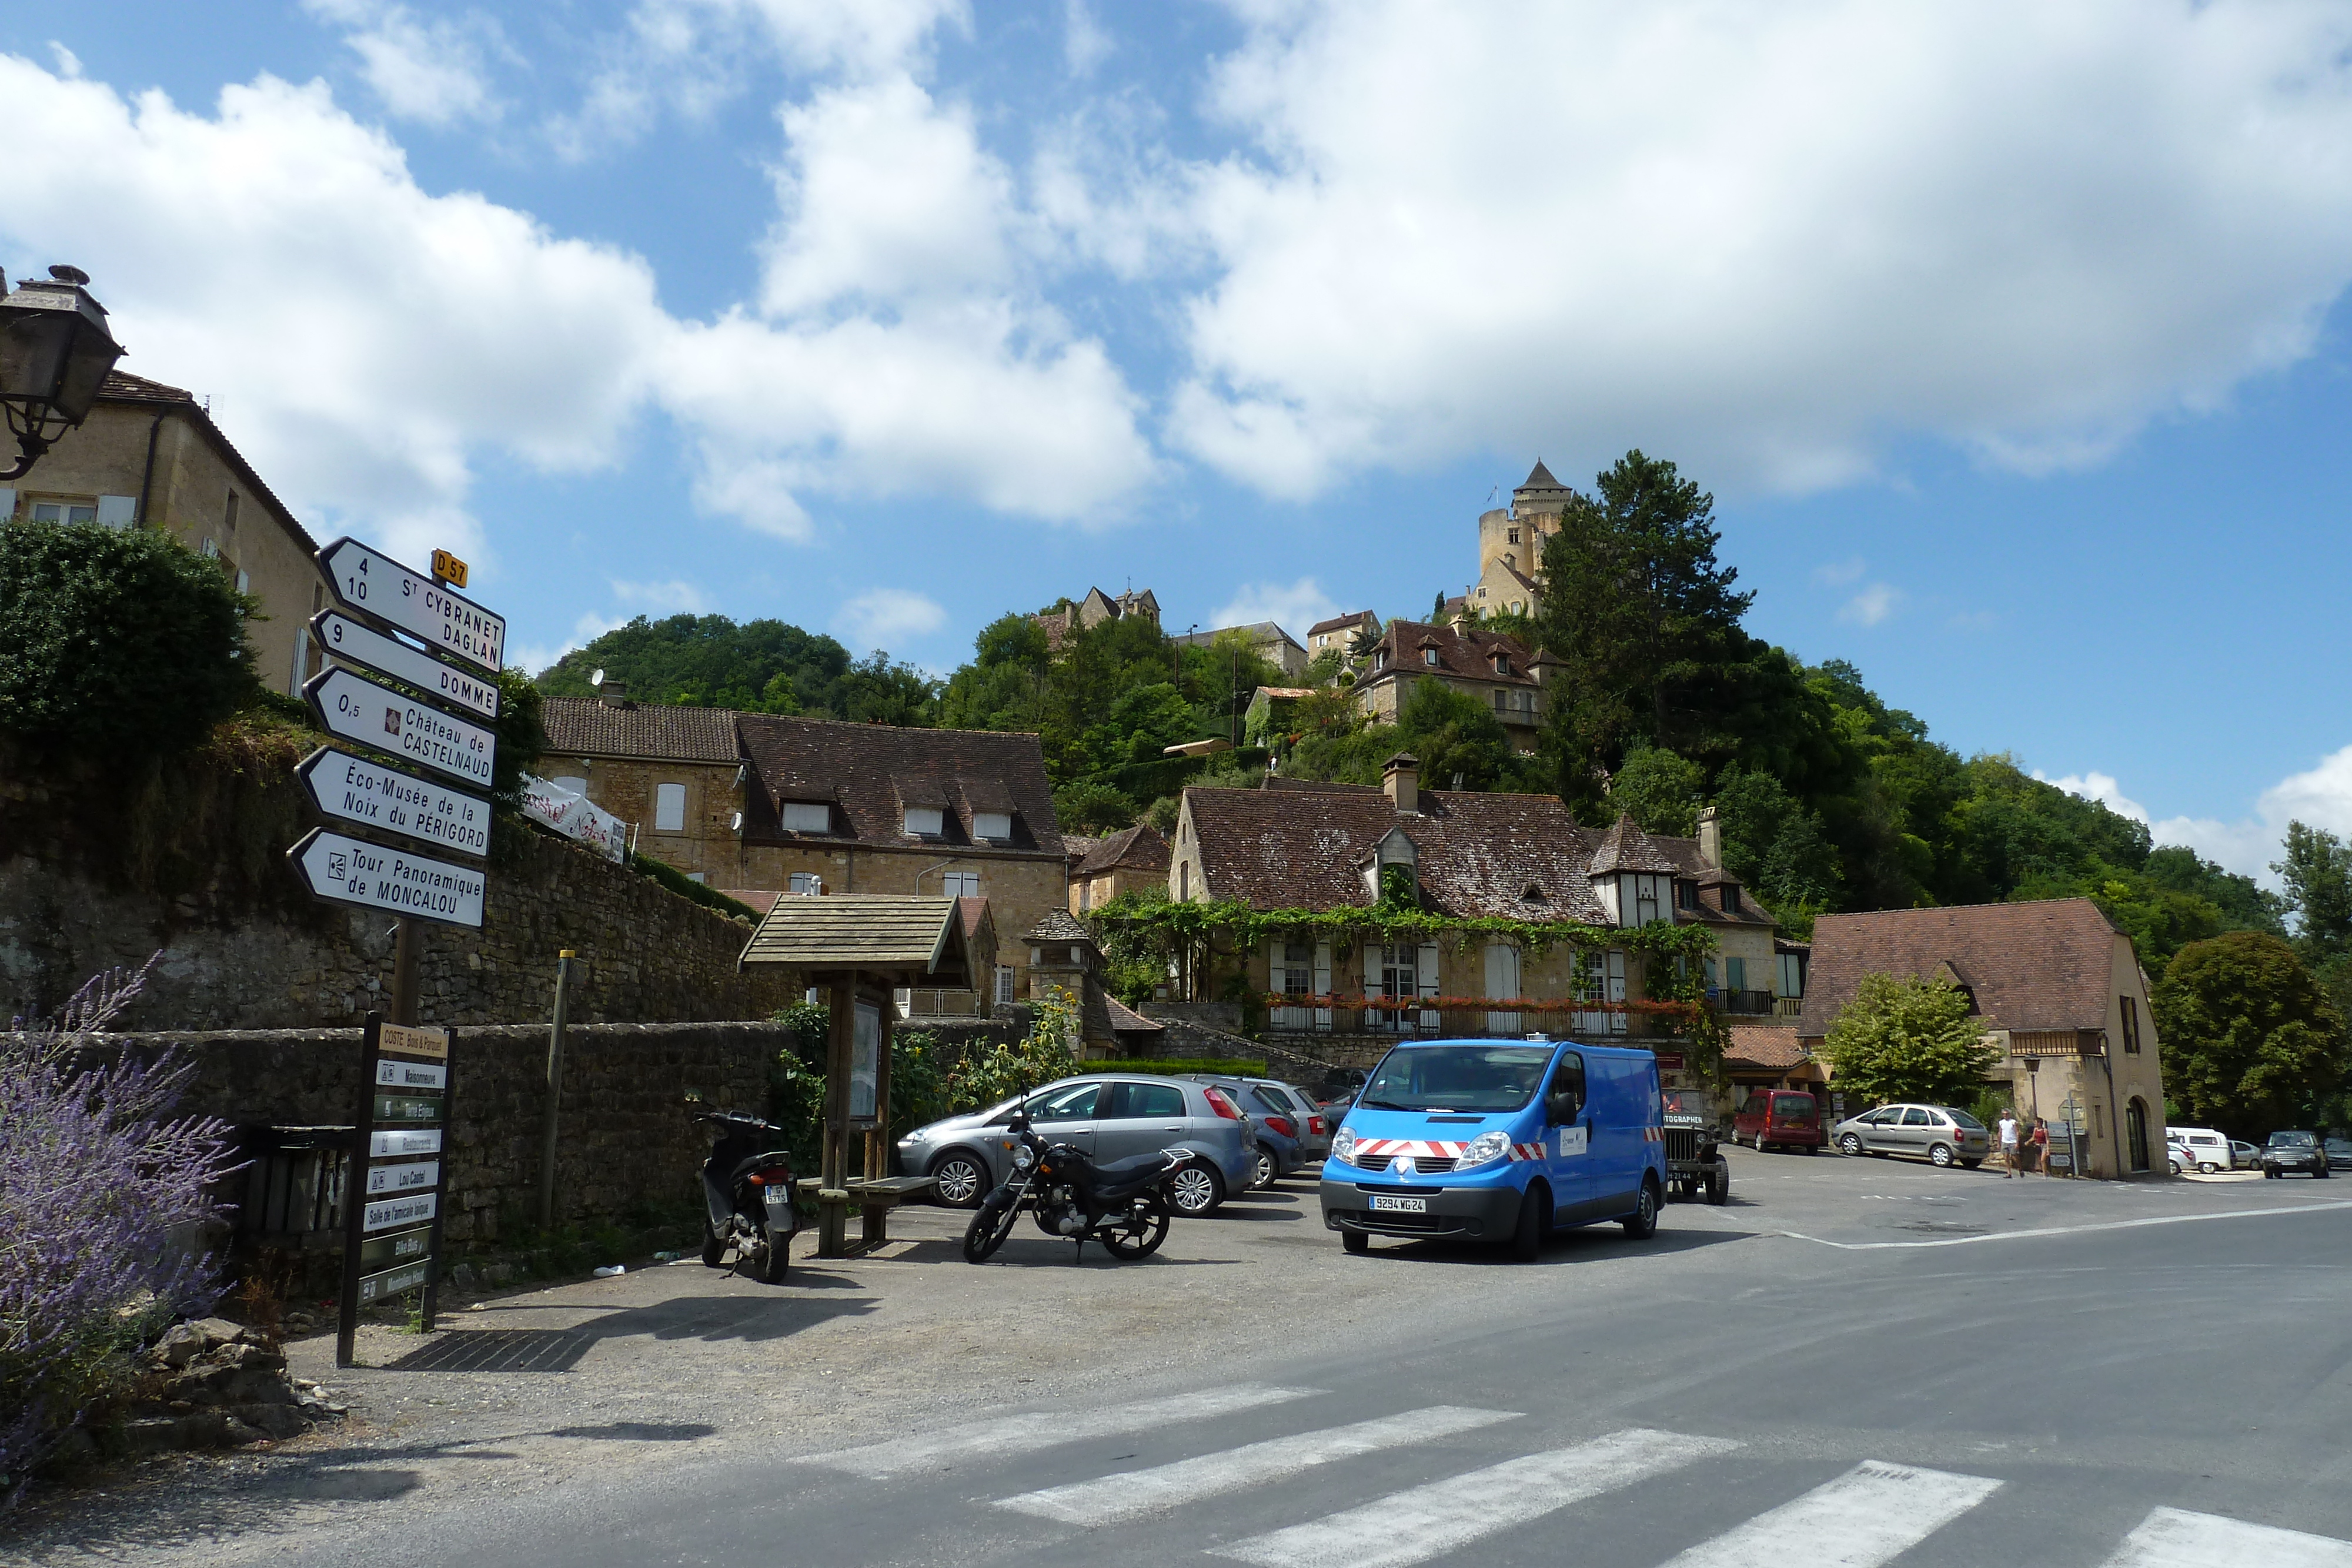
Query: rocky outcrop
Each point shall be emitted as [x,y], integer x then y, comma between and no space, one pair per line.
[213,1383]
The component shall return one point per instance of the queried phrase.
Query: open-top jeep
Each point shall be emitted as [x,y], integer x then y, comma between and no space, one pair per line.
[1694,1163]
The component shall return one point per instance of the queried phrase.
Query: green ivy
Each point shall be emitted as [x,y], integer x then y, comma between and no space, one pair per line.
[1134,924]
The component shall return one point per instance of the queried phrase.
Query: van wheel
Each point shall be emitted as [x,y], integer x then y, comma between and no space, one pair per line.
[1941,1154]
[1355,1241]
[1526,1237]
[1642,1223]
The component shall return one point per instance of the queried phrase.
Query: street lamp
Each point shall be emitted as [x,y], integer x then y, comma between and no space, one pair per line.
[55,351]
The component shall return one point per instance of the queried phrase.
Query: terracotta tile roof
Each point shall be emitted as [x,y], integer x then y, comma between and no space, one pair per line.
[868,771]
[1479,854]
[1468,654]
[1078,847]
[590,727]
[912,938]
[1138,848]
[1625,847]
[1125,1019]
[1763,1046]
[1357,619]
[1282,782]
[120,386]
[2047,965]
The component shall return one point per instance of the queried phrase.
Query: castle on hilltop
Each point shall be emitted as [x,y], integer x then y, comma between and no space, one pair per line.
[1510,546]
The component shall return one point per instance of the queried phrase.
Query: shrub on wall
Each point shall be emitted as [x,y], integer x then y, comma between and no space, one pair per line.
[116,641]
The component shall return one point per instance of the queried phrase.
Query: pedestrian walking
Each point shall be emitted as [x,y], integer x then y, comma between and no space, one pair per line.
[2041,1145]
[2008,1144]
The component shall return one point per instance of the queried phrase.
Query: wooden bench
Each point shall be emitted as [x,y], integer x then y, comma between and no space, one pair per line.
[873,1198]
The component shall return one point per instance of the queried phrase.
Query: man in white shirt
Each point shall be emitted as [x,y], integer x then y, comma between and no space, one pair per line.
[2008,1144]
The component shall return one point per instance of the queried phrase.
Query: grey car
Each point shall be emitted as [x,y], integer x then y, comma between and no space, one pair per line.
[1314,1127]
[1109,1116]
[1943,1135]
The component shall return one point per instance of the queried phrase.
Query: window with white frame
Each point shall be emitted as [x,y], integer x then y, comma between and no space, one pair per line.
[997,825]
[807,817]
[805,883]
[960,884]
[1429,658]
[1004,985]
[925,822]
[669,808]
[65,512]
[1647,899]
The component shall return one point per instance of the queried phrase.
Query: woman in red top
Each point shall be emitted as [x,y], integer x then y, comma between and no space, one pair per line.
[2041,1145]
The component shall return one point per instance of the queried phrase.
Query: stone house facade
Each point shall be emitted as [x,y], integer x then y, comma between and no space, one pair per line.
[1133,857]
[1495,669]
[1339,634]
[1296,845]
[805,806]
[150,455]
[1268,641]
[2059,991]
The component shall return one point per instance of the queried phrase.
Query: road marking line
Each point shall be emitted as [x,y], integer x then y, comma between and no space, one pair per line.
[2065,1229]
[2174,1538]
[1414,1525]
[1133,1493]
[1047,1429]
[1861,1519]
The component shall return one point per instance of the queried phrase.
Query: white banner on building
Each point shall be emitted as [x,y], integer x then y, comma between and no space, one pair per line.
[574,816]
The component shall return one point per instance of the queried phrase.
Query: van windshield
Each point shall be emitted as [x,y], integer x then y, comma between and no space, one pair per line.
[1483,1078]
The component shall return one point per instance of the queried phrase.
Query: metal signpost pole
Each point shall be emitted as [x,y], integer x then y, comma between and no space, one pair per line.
[548,1124]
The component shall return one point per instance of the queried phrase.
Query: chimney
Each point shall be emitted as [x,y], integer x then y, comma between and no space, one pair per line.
[1710,839]
[1401,780]
[613,692]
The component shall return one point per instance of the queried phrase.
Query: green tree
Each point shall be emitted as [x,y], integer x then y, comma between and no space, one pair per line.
[2318,871]
[1085,806]
[1457,737]
[1772,842]
[756,666]
[1910,1039]
[1659,790]
[2250,1041]
[117,643]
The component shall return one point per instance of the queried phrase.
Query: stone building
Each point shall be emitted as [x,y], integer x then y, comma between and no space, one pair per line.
[1268,641]
[1488,666]
[2059,991]
[1339,634]
[1066,621]
[1131,858]
[1296,844]
[821,806]
[150,455]
[1510,546]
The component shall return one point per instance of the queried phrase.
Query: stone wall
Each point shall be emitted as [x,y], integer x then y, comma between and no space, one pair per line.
[187,857]
[628,1152]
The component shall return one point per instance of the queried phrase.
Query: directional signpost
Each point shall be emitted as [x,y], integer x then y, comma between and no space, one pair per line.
[391,1236]
[405,720]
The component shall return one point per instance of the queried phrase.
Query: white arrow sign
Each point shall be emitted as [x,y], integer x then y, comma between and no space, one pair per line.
[359,790]
[358,709]
[353,871]
[374,584]
[347,640]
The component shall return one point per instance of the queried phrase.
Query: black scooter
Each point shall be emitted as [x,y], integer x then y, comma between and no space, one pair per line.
[1123,1205]
[748,1185]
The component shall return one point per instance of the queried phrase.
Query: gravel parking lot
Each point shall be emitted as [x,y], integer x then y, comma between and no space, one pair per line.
[602,1384]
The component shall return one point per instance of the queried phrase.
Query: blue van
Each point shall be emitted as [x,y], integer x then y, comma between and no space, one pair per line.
[1498,1139]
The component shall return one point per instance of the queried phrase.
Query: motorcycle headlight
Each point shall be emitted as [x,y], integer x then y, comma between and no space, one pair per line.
[1484,1149]
[1022,1158]
[1343,1144]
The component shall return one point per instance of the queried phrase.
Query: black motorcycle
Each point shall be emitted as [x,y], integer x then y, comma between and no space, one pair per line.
[747,1183]
[1123,1205]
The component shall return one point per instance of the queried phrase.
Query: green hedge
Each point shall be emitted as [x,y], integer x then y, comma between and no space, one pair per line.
[1169,1066]
[678,882]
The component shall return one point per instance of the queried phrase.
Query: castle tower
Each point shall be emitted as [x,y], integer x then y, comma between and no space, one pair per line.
[1510,545]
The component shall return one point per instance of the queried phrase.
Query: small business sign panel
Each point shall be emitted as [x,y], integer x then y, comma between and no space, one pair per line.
[408,1039]
[353,871]
[357,789]
[389,1212]
[391,1073]
[392,1236]
[401,1246]
[367,581]
[357,709]
[374,1288]
[345,638]
[384,1145]
[415,1175]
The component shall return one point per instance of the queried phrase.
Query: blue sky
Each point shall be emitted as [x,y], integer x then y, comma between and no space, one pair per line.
[2011,341]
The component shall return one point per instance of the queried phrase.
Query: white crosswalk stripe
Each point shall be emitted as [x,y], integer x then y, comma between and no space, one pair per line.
[2173,1538]
[1859,1520]
[1028,1433]
[1134,1493]
[1415,1525]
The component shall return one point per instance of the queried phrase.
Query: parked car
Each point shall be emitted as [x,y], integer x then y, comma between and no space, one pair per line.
[1314,1127]
[1110,1118]
[2293,1154]
[1942,1135]
[1779,1118]
[2339,1154]
[1276,1129]
[2208,1150]
[2243,1157]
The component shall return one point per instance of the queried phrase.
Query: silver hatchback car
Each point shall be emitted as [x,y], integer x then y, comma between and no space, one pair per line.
[1943,1135]
[1109,1116]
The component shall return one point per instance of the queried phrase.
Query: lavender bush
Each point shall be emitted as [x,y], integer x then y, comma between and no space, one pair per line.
[98,1195]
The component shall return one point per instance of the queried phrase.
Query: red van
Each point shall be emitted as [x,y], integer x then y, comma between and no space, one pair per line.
[1787,1117]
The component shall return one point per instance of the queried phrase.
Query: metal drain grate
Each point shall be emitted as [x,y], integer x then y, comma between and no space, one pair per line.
[498,1349]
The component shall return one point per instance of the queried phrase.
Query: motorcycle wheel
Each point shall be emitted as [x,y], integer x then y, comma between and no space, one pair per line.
[1128,1244]
[714,1248]
[771,1259]
[987,1231]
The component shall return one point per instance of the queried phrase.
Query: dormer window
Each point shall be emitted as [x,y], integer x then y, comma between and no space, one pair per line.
[1687,895]
[1532,894]
[1731,898]
[1502,664]
[925,822]
[1380,658]
[994,826]
[1429,658]
[807,817]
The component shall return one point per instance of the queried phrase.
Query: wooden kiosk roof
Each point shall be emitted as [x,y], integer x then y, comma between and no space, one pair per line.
[909,940]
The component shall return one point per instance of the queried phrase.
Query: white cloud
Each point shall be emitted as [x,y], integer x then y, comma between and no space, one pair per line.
[430,71]
[536,657]
[1838,573]
[879,616]
[1764,239]
[68,63]
[2320,797]
[1872,605]
[674,597]
[1085,44]
[1293,607]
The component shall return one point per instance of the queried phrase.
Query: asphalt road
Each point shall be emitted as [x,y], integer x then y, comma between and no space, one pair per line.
[1856,1361]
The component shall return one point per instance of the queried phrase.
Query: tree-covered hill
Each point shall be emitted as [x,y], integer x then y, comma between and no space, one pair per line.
[756,666]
